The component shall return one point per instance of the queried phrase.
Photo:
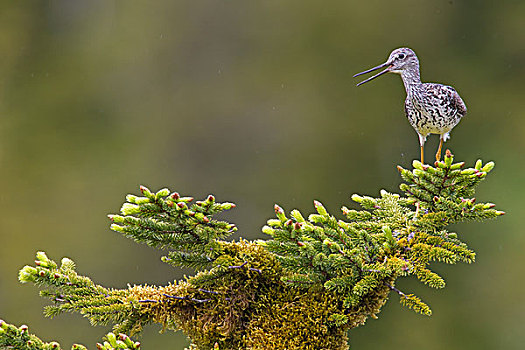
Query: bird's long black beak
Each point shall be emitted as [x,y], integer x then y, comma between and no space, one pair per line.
[386,64]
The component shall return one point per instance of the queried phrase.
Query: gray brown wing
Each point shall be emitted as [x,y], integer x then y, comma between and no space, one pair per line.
[457,102]
[443,99]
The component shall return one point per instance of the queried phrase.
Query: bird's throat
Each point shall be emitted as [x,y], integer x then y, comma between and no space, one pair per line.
[411,79]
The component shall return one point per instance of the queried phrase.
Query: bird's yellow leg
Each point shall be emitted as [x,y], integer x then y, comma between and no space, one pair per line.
[422,155]
[438,154]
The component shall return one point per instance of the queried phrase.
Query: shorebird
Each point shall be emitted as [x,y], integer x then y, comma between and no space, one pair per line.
[430,108]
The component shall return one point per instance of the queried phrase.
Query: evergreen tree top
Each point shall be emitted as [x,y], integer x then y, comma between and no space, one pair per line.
[316,277]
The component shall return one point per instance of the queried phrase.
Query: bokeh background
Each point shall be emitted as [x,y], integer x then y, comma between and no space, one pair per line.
[253,101]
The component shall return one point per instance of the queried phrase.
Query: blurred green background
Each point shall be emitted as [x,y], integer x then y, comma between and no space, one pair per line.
[253,101]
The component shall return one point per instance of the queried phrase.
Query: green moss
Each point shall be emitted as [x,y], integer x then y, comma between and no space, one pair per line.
[248,309]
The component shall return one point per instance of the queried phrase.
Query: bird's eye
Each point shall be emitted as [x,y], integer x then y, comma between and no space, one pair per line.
[401,56]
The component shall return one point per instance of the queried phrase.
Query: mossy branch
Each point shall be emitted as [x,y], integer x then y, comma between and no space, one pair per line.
[316,278]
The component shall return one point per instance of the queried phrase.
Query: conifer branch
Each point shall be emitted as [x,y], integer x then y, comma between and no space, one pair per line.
[315,278]
[19,338]
[70,292]
[164,220]
[385,240]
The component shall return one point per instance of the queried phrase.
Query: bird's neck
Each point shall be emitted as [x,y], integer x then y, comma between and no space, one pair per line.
[411,79]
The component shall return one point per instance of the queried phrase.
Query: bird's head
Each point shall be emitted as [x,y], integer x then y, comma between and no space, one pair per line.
[398,61]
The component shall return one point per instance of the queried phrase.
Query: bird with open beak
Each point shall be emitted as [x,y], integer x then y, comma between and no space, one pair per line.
[430,108]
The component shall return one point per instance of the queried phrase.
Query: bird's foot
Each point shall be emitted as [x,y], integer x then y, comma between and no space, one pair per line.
[438,153]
